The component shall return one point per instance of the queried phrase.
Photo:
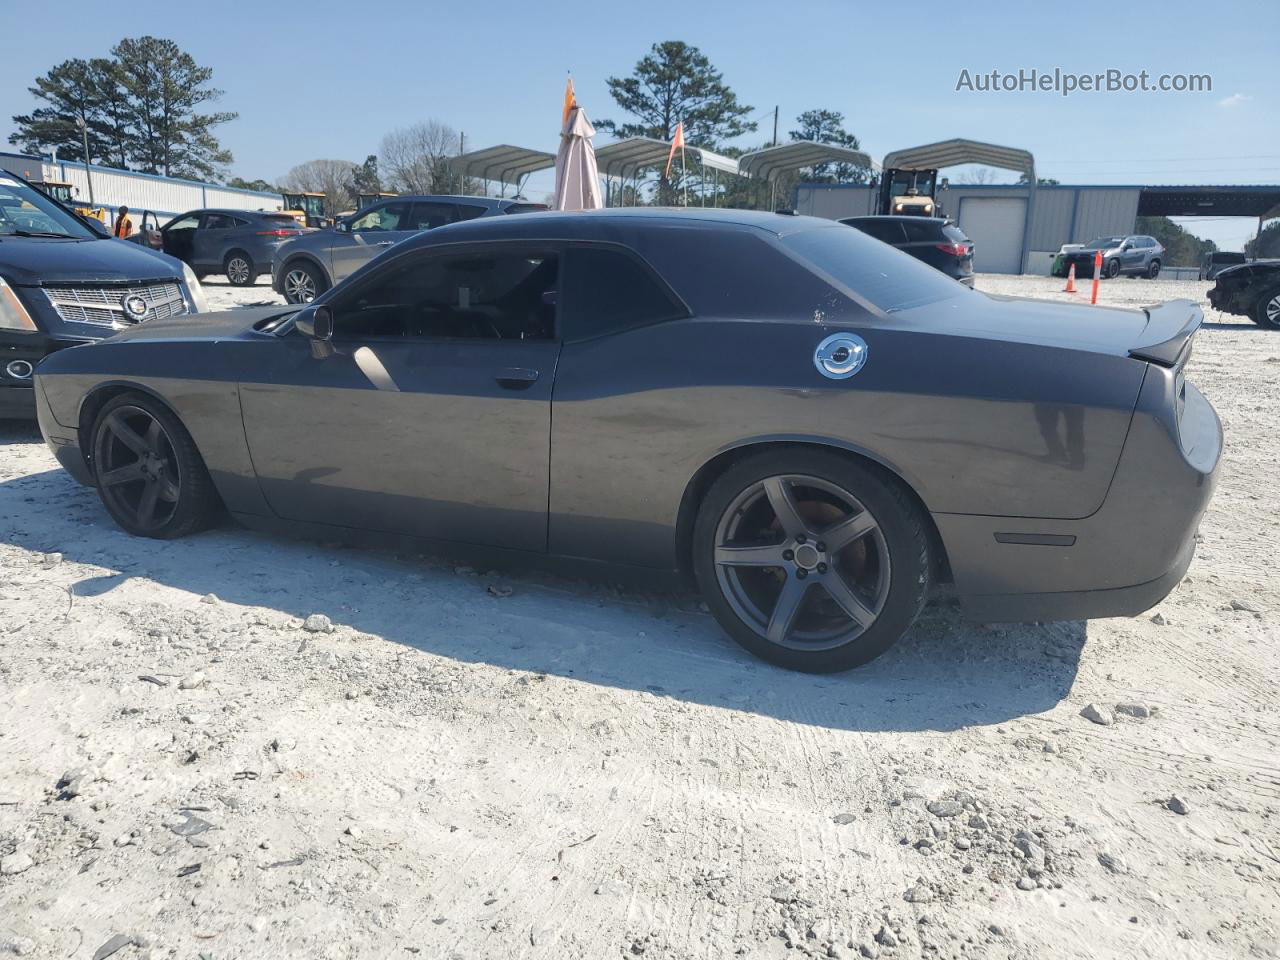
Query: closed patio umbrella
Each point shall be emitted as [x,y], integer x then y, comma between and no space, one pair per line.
[577,179]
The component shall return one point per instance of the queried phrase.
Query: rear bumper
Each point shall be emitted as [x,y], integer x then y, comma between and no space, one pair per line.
[1124,558]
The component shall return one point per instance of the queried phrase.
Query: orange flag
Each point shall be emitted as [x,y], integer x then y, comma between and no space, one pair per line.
[677,143]
[570,101]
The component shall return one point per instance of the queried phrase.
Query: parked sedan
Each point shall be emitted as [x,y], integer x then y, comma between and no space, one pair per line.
[237,243]
[1251,290]
[305,268]
[816,426]
[933,240]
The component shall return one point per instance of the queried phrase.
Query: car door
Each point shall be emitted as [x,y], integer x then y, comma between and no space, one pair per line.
[429,411]
[209,244]
[367,235]
[179,236]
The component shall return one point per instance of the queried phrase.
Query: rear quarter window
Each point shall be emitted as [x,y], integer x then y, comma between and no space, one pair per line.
[608,290]
[875,272]
[924,230]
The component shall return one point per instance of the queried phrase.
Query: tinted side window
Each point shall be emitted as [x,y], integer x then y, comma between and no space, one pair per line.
[469,211]
[608,290]
[218,221]
[887,231]
[428,216]
[485,295]
[922,230]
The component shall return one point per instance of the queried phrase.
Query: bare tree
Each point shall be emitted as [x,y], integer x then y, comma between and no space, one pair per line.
[333,178]
[415,159]
[978,175]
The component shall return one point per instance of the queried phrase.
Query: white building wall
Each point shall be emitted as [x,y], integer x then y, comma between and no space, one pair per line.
[164,196]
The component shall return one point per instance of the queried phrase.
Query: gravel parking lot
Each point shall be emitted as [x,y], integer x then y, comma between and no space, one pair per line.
[240,746]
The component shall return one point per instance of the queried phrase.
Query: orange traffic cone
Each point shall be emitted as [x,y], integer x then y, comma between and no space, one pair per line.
[1071,280]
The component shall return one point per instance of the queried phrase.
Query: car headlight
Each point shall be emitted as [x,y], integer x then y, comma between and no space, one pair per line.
[199,302]
[13,315]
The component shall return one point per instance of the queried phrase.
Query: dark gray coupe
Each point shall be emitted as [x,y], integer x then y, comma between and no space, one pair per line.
[816,426]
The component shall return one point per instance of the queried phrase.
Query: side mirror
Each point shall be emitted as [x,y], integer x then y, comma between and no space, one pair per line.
[96,225]
[316,323]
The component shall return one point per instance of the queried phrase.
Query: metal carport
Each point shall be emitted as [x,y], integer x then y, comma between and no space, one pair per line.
[951,153]
[505,163]
[772,162]
[625,159]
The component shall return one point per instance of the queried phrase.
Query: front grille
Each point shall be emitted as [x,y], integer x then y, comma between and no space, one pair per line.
[104,305]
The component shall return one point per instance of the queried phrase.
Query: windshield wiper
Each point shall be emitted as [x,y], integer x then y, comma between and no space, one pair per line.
[40,233]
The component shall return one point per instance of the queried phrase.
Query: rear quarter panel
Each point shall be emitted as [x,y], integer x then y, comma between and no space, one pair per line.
[974,426]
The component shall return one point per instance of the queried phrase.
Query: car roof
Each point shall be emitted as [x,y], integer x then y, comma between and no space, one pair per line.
[452,198]
[898,217]
[610,223]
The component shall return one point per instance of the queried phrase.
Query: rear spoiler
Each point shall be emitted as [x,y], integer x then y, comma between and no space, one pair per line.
[1167,335]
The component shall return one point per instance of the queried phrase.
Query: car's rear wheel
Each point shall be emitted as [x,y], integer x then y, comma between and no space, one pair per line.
[239,269]
[302,283]
[149,474]
[811,560]
[1266,311]
[1111,270]
[1153,271]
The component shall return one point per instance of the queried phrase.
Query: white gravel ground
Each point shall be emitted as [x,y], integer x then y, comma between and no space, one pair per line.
[193,766]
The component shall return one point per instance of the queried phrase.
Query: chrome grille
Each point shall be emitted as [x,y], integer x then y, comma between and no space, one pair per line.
[103,306]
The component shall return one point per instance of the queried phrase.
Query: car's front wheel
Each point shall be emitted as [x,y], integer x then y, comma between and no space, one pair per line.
[811,560]
[1266,311]
[302,283]
[149,474]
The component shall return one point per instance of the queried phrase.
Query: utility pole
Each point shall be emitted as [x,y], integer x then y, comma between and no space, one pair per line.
[775,126]
[462,148]
[84,134]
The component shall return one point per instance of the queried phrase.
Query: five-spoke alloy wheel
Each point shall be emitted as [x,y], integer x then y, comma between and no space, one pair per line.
[812,560]
[150,476]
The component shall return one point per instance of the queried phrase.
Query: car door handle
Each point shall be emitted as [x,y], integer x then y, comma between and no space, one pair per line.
[517,378]
[384,243]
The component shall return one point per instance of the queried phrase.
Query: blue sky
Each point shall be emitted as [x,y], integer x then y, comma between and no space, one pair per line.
[328,79]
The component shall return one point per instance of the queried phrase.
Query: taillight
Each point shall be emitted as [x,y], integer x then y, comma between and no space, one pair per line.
[954,249]
[278,233]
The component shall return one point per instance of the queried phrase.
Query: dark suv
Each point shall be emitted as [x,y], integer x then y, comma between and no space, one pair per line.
[936,241]
[238,243]
[308,266]
[63,282]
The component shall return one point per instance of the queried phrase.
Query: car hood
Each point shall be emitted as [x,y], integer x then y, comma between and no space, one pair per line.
[225,325]
[1241,269]
[31,261]
[1072,326]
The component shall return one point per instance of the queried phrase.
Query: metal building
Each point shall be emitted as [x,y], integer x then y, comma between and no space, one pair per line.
[113,188]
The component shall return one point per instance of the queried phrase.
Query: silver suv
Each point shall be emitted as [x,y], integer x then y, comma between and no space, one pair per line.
[1137,256]
[304,268]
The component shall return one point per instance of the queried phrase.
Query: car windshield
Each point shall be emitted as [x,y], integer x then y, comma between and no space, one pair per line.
[1104,243]
[25,211]
[888,278]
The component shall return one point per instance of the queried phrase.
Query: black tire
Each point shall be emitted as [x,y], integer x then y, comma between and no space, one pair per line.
[1153,270]
[1111,269]
[1266,309]
[295,279]
[820,485]
[141,452]
[240,269]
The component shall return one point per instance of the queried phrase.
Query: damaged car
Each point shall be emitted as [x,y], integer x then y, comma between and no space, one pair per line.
[1250,290]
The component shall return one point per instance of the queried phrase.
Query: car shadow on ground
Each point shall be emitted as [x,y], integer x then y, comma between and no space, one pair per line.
[945,674]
